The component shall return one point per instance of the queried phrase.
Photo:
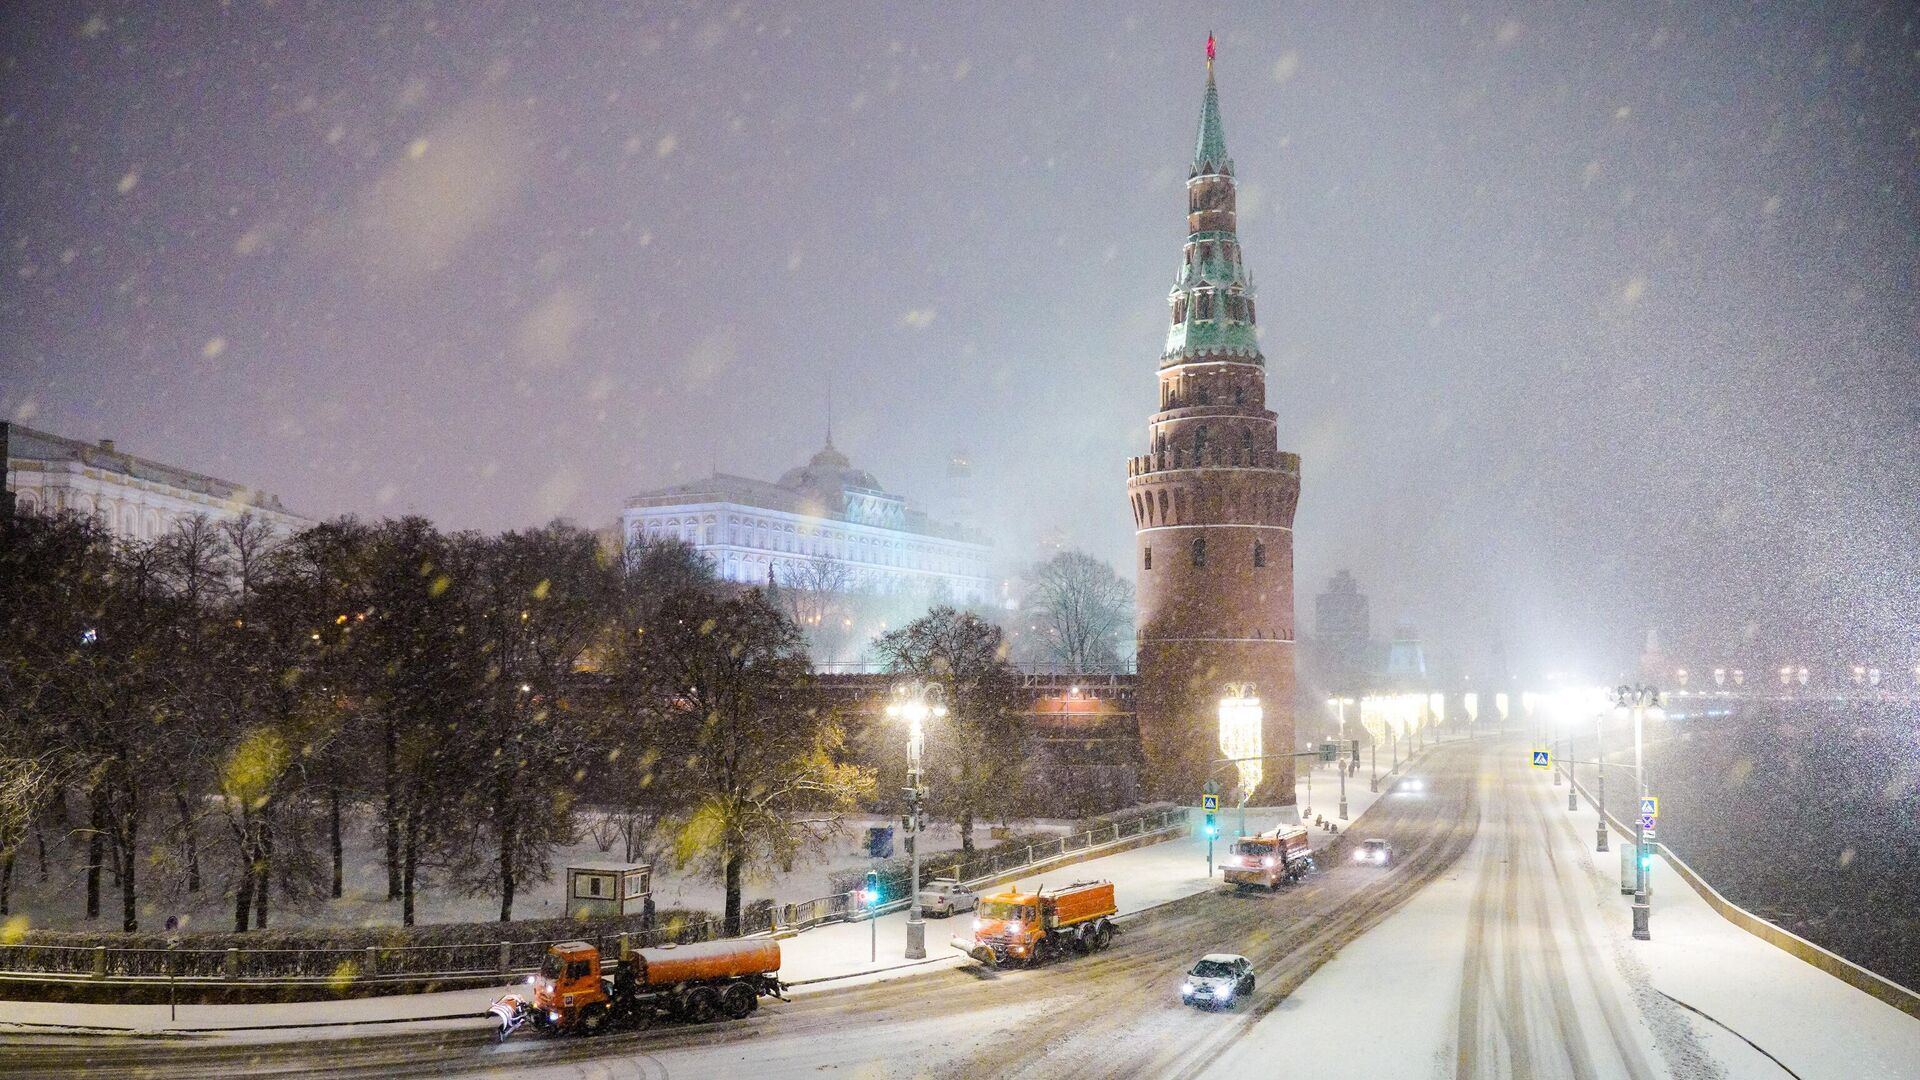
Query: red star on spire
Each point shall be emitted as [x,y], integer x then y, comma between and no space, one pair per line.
[1209,48]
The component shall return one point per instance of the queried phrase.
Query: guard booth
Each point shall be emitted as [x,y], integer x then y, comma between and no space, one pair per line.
[595,889]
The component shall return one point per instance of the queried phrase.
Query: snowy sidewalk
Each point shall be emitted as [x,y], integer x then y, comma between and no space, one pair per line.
[1518,960]
[828,956]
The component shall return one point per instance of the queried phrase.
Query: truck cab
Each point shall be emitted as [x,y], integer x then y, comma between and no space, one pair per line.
[567,983]
[1266,860]
[1008,923]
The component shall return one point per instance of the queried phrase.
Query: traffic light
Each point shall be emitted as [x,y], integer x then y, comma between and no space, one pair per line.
[872,893]
[1212,829]
[1646,860]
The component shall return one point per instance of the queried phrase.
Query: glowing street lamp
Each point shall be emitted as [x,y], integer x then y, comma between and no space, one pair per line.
[1640,702]
[916,703]
[1719,676]
[1340,705]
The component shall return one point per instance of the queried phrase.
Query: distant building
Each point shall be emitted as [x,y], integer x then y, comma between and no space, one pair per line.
[1342,629]
[1406,658]
[823,525]
[134,498]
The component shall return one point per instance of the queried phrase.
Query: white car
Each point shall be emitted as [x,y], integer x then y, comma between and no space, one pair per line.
[1374,853]
[945,896]
[1217,981]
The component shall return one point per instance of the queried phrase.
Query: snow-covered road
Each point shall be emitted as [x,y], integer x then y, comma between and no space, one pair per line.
[1518,962]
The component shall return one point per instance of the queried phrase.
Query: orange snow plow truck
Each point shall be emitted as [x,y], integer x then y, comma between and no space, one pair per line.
[695,983]
[1266,860]
[1033,927]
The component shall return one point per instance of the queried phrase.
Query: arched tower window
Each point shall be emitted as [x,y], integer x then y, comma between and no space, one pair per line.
[1200,551]
[1146,558]
[1259,553]
[1199,443]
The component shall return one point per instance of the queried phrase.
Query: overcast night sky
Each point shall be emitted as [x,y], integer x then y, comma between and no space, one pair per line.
[1584,318]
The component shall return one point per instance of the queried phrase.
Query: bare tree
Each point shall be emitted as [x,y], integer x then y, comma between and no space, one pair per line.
[1082,608]
[981,752]
[814,593]
[762,773]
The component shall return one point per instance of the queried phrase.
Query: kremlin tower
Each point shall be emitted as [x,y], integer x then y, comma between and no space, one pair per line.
[1213,500]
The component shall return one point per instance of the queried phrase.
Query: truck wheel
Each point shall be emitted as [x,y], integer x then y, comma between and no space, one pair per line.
[1103,934]
[1083,942]
[738,1000]
[593,1019]
[699,1004]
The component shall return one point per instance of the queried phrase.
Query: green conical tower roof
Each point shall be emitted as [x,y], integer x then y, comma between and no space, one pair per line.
[1210,149]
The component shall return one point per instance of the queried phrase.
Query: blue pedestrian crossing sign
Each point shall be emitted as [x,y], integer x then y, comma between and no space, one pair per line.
[1209,803]
[1649,806]
[1543,759]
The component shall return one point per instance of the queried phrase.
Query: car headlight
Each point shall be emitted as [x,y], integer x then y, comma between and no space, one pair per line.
[1359,855]
[531,979]
[1268,861]
[1013,928]
[1186,989]
[554,1016]
[1223,991]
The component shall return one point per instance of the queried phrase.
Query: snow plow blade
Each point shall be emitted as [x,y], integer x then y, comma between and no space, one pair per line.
[979,952]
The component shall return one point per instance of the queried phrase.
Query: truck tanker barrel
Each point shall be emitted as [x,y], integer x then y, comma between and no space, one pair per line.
[1078,903]
[706,960]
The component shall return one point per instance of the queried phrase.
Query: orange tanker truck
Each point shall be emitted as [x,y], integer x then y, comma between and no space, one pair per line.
[696,983]
[1283,854]
[1033,927]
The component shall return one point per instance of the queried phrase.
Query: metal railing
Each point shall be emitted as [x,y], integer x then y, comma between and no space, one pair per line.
[328,964]
[990,865]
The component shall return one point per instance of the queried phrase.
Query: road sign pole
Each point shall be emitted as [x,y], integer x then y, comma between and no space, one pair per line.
[1641,912]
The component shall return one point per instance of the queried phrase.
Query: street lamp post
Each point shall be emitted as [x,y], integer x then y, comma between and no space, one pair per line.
[915,703]
[1600,772]
[1637,700]
[1373,758]
[1340,706]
